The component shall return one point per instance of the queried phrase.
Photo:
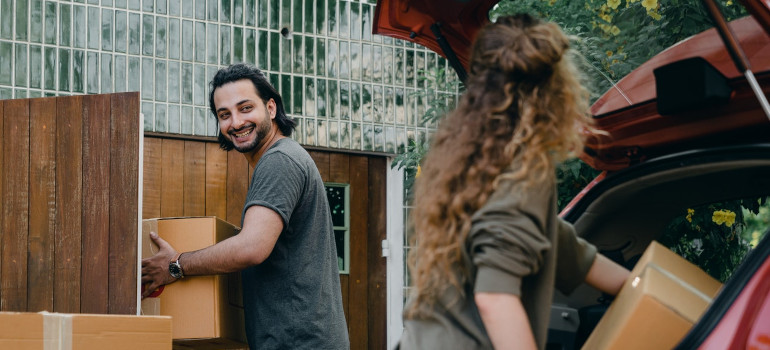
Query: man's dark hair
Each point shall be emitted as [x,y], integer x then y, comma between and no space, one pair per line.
[265,91]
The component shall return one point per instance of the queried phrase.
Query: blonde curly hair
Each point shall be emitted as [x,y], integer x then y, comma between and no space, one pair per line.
[523,101]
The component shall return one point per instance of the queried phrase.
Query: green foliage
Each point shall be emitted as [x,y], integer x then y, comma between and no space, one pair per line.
[573,176]
[616,36]
[717,236]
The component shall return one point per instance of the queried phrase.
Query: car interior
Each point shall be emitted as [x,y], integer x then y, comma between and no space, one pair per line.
[632,207]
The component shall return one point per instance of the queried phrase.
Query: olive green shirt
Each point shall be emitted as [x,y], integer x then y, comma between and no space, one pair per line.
[517,244]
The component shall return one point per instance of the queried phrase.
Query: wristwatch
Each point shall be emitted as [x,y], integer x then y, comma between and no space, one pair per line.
[175,269]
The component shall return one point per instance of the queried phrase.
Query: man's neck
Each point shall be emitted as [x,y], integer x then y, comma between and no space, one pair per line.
[254,157]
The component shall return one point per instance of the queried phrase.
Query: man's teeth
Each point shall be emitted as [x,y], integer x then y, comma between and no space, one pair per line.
[243,133]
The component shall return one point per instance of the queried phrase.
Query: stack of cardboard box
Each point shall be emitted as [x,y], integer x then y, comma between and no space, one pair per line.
[207,311]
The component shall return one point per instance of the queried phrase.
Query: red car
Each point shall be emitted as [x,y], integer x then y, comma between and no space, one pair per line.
[685,129]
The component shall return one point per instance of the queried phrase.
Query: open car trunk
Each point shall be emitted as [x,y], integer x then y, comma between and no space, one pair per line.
[623,213]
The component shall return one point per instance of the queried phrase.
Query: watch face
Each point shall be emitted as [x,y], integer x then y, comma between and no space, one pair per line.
[175,270]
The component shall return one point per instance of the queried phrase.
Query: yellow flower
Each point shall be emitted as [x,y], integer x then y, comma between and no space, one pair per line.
[419,170]
[654,14]
[615,30]
[689,214]
[609,53]
[607,18]
[613,3]
[650,4]
[726,217]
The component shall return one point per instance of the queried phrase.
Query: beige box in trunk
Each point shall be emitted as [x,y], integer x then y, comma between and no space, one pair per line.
[658,304]
[204,308]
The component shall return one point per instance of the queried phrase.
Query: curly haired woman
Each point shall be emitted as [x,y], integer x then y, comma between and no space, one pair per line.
[490,248]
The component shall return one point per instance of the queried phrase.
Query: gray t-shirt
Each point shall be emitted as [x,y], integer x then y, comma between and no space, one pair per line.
[293,299]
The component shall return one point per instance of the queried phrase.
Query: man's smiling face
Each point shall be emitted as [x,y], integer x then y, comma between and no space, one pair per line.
[244,119]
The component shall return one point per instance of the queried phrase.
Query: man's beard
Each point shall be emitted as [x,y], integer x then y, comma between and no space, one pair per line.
[262,131]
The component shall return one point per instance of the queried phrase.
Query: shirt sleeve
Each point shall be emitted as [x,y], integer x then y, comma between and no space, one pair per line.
[277,183]
[507,240]
[574,258]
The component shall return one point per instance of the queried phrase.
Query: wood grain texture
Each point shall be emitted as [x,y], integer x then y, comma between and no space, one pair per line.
[238,177]
[15,219]
[42,203]
[216,181]
[377,289]
[339,167]
[69,204]
[152,179]
[124,206]
[321,160]
[344,284]
[358,284]
[194,178]
[96,204]
[172,178]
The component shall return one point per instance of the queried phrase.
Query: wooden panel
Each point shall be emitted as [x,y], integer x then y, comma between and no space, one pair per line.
[237,185]
[152,178]
[124,215]
[194,178]
[15,224]
[69,202]
[339,168]
[42,203]
[344,282]
[172,178]
[321,160]
[377,273]
[358,297]
[96,204]
[216,181]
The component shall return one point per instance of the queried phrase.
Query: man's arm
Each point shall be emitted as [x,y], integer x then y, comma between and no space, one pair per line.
[255,242]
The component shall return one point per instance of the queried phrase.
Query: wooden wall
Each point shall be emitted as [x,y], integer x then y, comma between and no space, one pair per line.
[69,169]
[193,178]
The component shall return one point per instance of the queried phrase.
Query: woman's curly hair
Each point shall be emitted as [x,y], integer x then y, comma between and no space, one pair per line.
[523,101]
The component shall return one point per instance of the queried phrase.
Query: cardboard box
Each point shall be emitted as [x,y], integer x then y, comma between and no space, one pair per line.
[54,331]
[203,308]
[658,304]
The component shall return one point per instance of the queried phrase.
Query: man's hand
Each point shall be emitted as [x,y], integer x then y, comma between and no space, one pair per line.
[155,268]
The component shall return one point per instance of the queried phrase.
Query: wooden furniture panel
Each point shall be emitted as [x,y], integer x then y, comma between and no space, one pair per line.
[96,204]
[42,202]
[70,203]
[194,178]
[13,290]
[124,215]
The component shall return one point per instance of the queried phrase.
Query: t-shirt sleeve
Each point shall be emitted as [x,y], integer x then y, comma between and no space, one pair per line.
[574,258]
[277,183]
[507,240]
